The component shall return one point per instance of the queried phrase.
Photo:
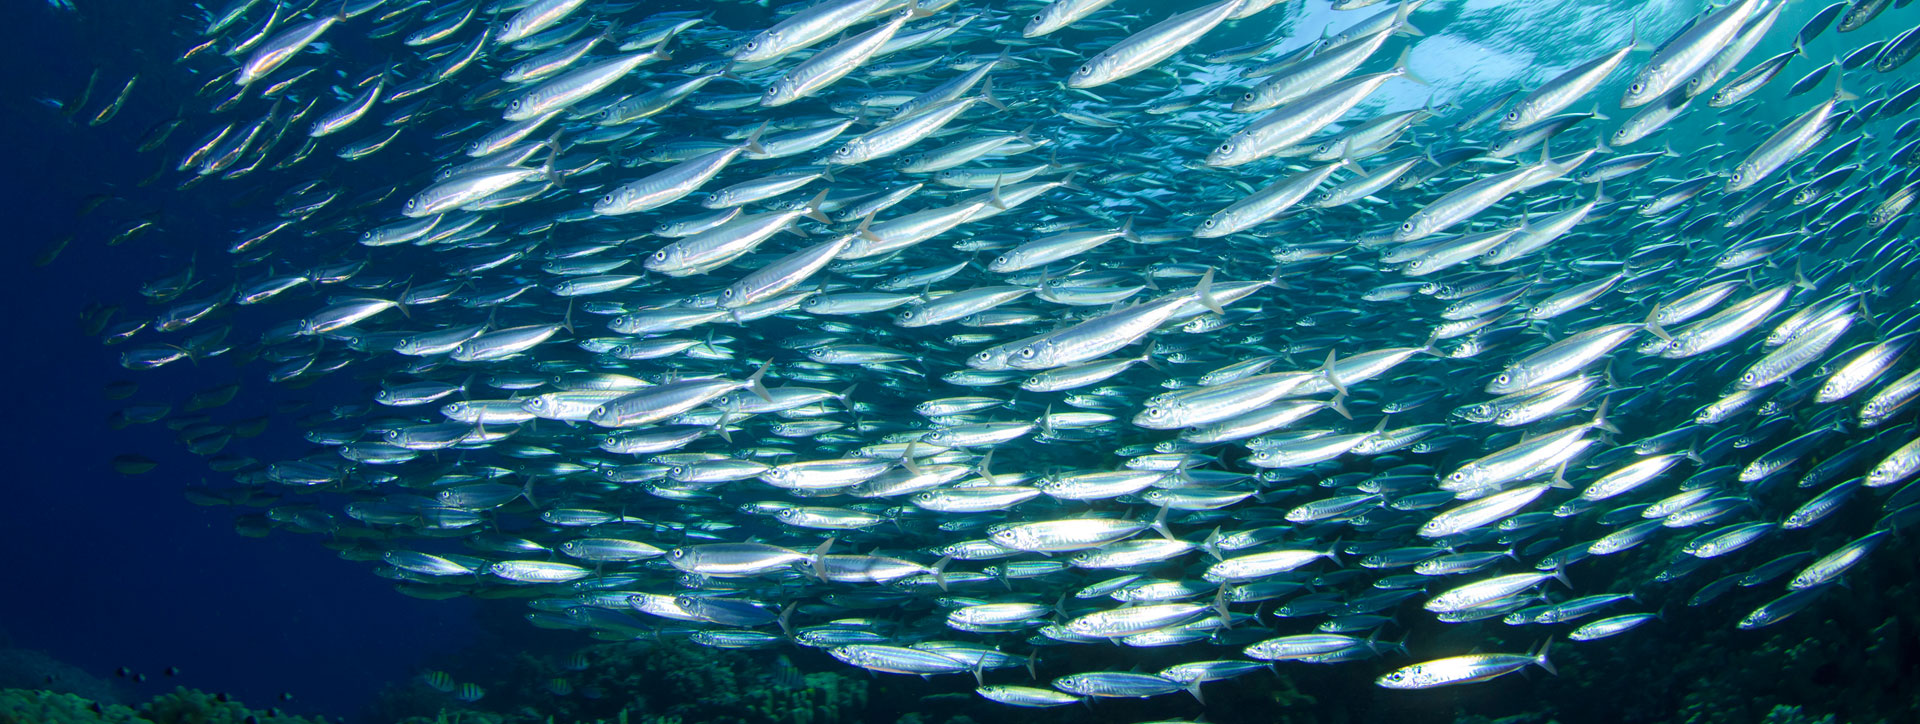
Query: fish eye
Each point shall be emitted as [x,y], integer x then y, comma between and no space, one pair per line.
[1513,115]
[1504,379]
[1027,353]
[1209,223]
[1084,70]
[660,255]
[1637,88]
[1004,259]
[1408,226]
[514,104]
[1224,148]
[844,151]
[753,45]
[728,293]
[1248,97]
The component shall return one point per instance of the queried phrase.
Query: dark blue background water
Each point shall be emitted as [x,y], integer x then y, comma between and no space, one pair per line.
[103,570]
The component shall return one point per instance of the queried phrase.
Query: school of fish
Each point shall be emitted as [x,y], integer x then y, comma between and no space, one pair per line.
[936,334]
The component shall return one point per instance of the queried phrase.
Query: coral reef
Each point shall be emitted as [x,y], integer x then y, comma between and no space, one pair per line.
[191,706]
[180,706]
[33,706]
[655,682]
[29,669]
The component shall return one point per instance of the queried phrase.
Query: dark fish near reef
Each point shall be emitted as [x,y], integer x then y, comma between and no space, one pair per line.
[133,464]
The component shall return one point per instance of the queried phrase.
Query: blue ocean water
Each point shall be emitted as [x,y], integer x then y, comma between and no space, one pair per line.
[114,571]
[119,572]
